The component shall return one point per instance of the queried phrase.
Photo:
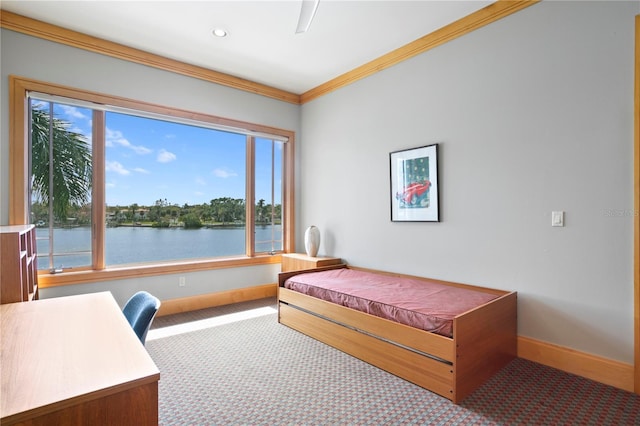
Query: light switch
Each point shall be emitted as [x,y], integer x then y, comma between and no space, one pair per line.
[557,218]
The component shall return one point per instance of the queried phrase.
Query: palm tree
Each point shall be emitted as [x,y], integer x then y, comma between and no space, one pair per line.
[260,211]
[72,166]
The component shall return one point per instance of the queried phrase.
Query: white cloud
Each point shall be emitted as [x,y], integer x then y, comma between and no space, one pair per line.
[72,111]
[141,170]
[221,173]
[115,137]
[201,181]
[165,156]
[114,166]
[142,150]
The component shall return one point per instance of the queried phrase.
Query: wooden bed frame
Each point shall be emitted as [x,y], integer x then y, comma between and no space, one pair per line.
[484,338]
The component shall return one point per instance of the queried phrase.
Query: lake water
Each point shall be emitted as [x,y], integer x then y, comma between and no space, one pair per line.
[125,245]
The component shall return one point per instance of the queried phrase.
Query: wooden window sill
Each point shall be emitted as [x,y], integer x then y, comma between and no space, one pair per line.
[86,276]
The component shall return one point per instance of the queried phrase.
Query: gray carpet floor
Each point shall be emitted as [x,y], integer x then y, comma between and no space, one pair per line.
[235,365]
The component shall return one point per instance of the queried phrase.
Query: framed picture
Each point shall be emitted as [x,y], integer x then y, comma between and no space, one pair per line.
[414,184]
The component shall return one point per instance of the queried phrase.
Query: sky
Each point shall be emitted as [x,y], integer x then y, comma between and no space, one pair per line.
[149,160]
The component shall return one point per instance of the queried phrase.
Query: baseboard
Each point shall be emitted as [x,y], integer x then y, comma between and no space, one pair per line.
[599,369]
[209,300]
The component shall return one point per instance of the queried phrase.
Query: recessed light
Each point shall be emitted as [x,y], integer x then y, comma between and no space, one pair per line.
[220,32]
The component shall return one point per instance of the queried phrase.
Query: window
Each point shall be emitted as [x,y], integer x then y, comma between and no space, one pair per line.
[127,184]
[61,177]
[268,214]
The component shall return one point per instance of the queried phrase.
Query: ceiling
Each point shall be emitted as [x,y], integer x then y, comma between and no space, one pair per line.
[262,45]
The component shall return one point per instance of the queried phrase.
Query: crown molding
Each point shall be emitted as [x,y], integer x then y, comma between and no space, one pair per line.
[469,23]
[35,28]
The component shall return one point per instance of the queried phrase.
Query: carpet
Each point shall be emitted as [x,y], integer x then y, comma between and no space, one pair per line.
[235,365]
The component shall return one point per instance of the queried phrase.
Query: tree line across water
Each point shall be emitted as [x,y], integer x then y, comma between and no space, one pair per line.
[224,211]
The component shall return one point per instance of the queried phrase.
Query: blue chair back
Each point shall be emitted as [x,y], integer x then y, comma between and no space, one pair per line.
[140,310]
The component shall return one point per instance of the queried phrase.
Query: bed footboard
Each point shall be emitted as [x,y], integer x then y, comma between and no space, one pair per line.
[485,342]
[428,371]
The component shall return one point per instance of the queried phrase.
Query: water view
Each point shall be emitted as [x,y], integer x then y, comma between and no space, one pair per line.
[137,244]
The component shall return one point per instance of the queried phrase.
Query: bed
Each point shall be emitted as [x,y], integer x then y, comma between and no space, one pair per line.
[449,347]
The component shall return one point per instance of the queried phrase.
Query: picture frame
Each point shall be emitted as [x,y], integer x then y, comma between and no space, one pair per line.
[415,191]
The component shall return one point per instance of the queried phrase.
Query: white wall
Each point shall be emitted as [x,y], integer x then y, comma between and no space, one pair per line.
[42,60]
[533,113]
[166,287]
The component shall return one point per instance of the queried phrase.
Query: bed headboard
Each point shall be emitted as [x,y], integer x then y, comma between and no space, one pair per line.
[283,276]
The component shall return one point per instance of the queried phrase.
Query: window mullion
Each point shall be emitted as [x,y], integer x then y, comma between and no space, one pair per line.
[250,211]
[273,203]
[98,210]
[50,188]
[288,199]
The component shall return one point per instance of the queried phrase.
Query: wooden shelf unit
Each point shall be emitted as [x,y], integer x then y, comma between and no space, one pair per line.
[297,261]
[18,264]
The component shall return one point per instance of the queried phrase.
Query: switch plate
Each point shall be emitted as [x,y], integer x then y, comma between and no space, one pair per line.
[557,218]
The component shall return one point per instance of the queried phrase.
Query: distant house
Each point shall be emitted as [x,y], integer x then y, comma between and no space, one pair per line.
[141,214]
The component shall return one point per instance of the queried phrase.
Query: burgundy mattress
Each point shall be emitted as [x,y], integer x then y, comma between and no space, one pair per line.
[422,304]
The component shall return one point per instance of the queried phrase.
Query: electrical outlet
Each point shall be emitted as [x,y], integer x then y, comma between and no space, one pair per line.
[182,281]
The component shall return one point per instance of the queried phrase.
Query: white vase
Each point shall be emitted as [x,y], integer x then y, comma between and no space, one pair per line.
[312,241]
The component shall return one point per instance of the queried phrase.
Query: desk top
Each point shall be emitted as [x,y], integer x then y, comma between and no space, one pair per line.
[61,350]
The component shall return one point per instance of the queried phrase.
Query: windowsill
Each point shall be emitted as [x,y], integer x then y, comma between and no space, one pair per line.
[46,279]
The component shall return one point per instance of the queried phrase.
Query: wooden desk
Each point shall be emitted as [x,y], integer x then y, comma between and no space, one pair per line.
[74,360]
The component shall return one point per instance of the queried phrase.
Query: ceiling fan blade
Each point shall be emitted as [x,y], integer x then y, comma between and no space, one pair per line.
[307,12]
